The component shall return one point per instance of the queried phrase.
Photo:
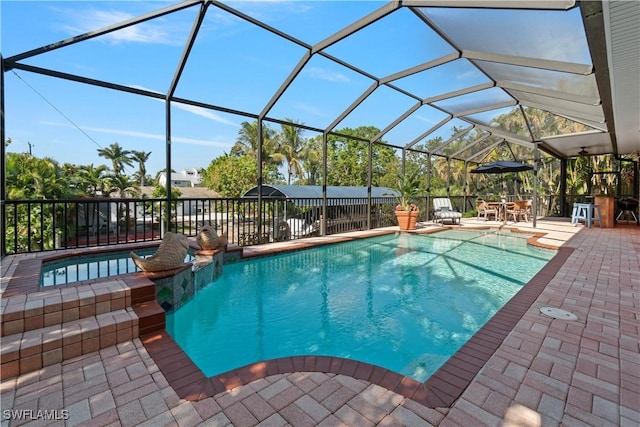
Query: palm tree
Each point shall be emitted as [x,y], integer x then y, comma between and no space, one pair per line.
[291,145]
[141,157]
[119,157]
[122,185]
[311,155]
[247,145]
[93,179]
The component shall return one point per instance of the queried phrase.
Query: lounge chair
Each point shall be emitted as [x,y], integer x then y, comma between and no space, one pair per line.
[485,211]
[443,210]
[300,228]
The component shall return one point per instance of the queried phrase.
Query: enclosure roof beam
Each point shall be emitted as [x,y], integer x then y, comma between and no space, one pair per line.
[543,64]
[428,132]
[104,30]
[473,143]
[452,139]
[484,150]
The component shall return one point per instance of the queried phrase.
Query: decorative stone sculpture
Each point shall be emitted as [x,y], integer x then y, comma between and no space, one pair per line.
[170,254]
[207,238]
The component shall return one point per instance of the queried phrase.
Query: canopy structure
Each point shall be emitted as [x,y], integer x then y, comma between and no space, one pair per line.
[434,65]
[565,73]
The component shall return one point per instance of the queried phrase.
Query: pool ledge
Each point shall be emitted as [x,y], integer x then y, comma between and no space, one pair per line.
[440,390]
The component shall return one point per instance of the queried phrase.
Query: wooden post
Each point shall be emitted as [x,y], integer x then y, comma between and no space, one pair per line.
[607,206]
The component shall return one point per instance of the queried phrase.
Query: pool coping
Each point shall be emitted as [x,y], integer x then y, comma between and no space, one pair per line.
[441,389]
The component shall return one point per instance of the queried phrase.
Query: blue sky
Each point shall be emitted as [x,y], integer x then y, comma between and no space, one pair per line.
[233,64]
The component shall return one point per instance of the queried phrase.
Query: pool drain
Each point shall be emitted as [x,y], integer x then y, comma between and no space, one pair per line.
[557,313]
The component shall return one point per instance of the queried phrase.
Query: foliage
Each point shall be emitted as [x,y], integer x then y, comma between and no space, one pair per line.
[231,176]
[160,192]
[29,177]
[348,159]
[407,185]
[311,156]
[119,157]
[141,157]
[290,145]
[121,186]
[247,145]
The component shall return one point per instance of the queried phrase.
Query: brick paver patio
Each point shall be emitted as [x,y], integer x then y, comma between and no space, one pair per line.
[545,372]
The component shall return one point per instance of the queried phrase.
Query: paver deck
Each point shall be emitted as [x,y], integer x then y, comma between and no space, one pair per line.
[544,372]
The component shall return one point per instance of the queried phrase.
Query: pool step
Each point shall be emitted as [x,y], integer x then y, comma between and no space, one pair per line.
[151,317]
[34,349]
[60,323]
[56,305]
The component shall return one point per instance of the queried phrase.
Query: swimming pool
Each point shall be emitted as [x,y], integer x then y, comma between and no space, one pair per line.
[404,302]
[95,266]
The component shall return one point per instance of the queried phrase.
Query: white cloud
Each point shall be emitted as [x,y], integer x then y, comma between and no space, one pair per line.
[147,135]
[323,74]
[203,112]
[156,31]
[425,119]
[198,111]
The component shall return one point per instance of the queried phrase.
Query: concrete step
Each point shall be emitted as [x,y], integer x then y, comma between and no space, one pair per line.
[55,305]
[151,317]
[34,349]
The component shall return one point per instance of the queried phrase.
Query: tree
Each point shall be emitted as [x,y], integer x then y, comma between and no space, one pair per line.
[141,158]
[247,145]
[348,158]
[92,179]
[32,178]
[231,176]
[311,155]
[118,156]
[291,146]
[122,185]
[29,177]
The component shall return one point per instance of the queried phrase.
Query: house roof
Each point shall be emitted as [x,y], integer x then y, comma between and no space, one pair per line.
[315,191]
[185,192]
[337,195]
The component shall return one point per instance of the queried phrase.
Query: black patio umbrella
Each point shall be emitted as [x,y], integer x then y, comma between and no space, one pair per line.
[502,166]
[505,166]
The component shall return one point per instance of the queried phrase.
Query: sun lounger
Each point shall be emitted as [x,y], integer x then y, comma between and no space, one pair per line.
[443,210]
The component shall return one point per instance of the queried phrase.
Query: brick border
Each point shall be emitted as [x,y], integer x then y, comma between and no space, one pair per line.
[442,389]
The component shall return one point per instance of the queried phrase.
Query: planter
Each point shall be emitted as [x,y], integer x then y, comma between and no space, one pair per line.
[407,219]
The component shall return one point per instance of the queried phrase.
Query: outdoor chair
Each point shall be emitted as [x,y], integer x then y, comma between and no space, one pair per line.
[282,232]
[300,228]
[519,209]
[485,211]
[443,210]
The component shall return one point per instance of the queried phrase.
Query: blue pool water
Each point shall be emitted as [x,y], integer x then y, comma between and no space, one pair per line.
[404,302]
[85,267]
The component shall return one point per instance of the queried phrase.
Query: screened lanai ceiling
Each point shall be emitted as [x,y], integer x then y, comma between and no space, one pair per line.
[566,72]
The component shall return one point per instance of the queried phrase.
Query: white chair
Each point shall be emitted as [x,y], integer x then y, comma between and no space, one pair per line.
[443,210]
[299,228]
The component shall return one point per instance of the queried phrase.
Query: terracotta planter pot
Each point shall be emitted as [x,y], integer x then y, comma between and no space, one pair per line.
[407,219]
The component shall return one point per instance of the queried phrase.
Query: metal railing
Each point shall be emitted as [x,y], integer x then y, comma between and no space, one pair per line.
[46,225]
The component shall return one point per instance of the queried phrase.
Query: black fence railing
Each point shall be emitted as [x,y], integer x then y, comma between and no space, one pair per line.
[44,225]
